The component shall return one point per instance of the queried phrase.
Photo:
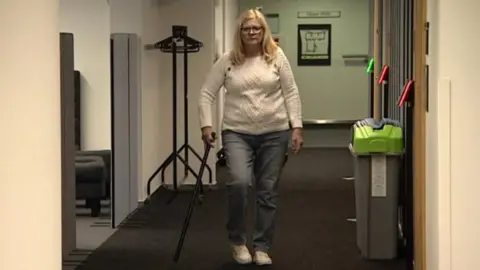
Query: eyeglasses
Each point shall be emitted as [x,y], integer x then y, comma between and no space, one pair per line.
[252,29]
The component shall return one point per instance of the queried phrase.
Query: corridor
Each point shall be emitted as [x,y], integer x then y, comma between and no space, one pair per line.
[314,230]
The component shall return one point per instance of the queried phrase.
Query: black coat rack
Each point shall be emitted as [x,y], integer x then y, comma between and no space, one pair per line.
[179,42]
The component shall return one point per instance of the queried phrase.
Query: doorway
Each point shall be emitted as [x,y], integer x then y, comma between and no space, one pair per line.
[85,173]
[99,187]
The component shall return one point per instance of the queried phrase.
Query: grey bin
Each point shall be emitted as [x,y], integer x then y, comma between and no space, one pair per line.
[376,204]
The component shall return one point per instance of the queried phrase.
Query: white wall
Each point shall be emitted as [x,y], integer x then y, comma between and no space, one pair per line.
[126,16]
[159,16]
[325,90]
[231,9]
[452,144]
[219,25]
[89,21]
[155,131]
[30,196]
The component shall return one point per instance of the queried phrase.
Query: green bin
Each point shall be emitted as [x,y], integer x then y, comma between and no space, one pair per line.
[377,147]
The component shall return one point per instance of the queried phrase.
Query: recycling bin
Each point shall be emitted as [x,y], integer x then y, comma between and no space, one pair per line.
[377,148]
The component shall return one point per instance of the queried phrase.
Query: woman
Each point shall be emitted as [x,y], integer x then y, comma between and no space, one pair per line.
[261,101]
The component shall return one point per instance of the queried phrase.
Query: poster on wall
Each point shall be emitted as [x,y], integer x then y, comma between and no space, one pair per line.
[314,45]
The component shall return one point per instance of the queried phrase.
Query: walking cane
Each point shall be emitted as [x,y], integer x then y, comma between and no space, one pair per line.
[198,187]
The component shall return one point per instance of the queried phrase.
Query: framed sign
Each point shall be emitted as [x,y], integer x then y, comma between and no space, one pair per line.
[314,45]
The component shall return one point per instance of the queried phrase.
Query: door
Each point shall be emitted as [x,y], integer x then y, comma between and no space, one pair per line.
[126,125]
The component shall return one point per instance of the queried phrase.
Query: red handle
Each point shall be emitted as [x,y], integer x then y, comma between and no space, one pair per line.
[405,93]
[384,74]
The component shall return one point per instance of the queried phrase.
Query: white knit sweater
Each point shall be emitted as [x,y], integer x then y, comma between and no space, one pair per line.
[260,98]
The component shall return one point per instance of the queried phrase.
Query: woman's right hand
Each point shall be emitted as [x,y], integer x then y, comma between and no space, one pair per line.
[207,135]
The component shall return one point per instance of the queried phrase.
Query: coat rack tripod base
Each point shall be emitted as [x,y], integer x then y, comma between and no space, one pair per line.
[179,43]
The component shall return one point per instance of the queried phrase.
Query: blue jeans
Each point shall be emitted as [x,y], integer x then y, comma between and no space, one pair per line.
[253,160]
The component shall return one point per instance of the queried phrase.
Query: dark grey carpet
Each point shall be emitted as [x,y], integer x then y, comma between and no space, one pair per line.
[312,231]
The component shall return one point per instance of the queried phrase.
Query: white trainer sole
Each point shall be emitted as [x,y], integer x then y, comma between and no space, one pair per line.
[243,262]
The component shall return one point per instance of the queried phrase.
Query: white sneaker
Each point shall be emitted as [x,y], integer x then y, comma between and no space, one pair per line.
[241,254]
[262,258]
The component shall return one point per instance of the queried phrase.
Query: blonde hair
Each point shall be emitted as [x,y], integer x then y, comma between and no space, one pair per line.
[269,46]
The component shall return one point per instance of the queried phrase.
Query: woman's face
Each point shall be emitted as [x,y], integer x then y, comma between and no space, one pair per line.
[252,32]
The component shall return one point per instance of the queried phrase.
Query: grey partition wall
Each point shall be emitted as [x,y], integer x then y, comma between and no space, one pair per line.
[126,125]
[67,94]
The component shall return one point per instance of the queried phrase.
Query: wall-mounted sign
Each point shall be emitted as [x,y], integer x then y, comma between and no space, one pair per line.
[314,41]
[319,14]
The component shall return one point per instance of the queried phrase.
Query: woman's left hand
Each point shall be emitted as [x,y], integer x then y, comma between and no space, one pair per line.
[297,140]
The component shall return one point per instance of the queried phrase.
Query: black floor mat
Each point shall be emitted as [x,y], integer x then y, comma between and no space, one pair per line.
[312,228]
